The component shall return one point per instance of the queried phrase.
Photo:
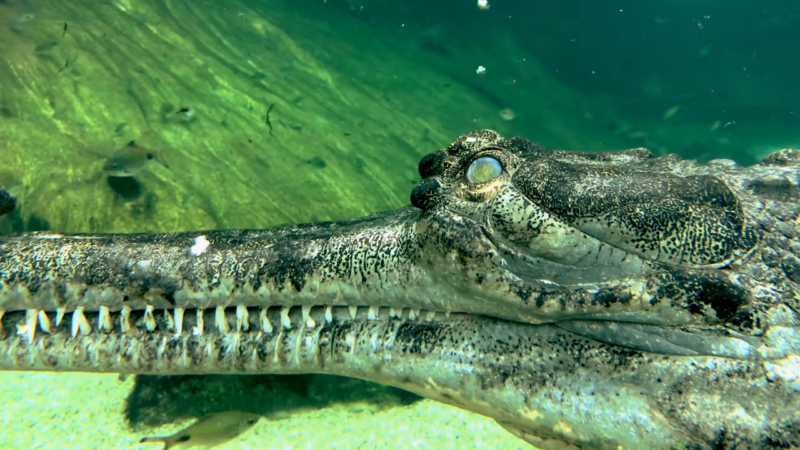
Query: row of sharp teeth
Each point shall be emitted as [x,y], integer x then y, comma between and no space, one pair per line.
[38,319]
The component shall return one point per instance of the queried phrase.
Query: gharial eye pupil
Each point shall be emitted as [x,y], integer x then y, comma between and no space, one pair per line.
[484,169]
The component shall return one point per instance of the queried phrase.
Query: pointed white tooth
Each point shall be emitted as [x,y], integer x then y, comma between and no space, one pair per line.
[125,320]
[430,315]
[178,320]
[170,321]
[28,329]
[310,323]
[373,313]
[149,320]
[447,314]
[412,315]
[329,314]
[31,316]
[197,330]
[265,324]
[353,310]
[393,313]
[60,312]
[44,323]
[75,326]
[242,318]
[79,323]
[220,321]
[104,320]
[86,327]
[287,324]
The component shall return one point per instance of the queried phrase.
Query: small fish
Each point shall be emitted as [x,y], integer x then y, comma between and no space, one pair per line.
[670,113]
[18,22]
[507,114]
[130,160]
[187,112]
[7,201]
[211,430]
[705,51]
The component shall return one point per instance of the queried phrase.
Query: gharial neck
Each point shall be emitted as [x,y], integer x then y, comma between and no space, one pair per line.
[368,262]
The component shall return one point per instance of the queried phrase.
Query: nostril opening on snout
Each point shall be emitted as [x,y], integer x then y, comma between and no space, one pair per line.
[431,164]
[424,194]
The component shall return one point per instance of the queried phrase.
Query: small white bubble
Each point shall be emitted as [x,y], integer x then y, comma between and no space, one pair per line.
[200,246]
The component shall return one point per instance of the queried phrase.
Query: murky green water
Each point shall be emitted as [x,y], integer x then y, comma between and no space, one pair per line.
[266,113]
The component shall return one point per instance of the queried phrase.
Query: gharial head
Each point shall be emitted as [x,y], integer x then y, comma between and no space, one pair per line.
[536,221]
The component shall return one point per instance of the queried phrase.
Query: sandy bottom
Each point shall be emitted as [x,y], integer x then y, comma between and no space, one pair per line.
[87,411]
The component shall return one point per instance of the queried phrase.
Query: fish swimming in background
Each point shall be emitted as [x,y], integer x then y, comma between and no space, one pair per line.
[507,114]
[130,160]
[211,430]
[670,113]
[7,201]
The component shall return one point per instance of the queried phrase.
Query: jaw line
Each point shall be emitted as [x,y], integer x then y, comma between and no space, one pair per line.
[503,251]
[514,261]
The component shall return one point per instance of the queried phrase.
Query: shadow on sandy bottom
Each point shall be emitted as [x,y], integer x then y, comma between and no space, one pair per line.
[157,400]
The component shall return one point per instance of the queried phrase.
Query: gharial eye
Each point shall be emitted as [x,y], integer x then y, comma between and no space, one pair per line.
[484,169]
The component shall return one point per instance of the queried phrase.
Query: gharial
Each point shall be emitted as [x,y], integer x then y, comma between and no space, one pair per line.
[582,300]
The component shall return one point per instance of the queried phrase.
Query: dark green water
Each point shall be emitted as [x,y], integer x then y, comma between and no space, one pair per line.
[702,78]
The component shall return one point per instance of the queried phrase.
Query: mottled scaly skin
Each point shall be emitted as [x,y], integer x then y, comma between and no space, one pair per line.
[582,300]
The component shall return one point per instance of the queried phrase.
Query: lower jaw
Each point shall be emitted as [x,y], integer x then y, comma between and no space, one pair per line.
[235,340]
